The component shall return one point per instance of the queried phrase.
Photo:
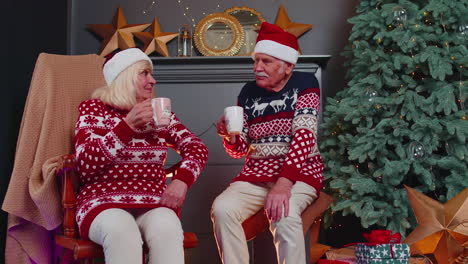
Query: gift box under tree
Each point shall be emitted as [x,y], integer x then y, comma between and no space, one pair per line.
[382,254]
[383,248]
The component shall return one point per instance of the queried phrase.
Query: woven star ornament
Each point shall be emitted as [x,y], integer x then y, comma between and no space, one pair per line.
[282,20]
[117,35]
[155,40]
[317,250]
[442,228]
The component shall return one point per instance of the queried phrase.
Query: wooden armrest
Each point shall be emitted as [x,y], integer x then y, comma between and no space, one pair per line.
[315,210]
[66,172]
[190,240]
[81,248]
[255,225]
[171,170]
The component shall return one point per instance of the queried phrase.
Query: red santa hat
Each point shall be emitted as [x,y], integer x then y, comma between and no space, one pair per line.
[117,62]
[277,42]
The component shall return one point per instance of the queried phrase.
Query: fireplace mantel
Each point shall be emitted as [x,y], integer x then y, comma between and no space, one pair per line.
[200,88]
[230,69]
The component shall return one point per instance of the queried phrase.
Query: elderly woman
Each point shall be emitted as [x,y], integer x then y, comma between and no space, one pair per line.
[123,198]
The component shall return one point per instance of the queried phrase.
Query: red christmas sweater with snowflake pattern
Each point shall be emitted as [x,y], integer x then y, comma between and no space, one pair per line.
[280,133]
[123,168]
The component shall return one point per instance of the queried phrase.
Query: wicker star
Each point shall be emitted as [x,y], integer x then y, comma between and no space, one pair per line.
[442,228]
[283,21]
[317,250]
[155,40]
[117,35]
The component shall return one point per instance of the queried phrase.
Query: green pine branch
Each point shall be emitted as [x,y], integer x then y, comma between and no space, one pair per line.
[402,119]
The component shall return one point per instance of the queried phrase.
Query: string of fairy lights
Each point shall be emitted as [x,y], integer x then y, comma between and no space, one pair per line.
[150,6]
[185,8]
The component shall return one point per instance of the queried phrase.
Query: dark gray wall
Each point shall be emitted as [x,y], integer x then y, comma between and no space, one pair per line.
[30,27]
[328,36]
[38,26]
[198,101]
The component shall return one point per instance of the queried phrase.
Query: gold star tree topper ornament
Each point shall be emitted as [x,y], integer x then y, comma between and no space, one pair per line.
[283,21]
[117,35]
[442,228]
[155,40]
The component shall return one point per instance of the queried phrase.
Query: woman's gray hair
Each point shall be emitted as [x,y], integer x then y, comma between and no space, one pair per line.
[122,91]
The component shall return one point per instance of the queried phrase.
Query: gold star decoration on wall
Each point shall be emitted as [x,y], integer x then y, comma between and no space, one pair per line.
[155,40]
[283,21]
[117,35]
[442,228]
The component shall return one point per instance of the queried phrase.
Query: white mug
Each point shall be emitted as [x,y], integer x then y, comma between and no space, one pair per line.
[234,117]
[161,110]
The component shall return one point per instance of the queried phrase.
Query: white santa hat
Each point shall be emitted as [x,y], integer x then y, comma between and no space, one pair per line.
[120,61]
[277,42]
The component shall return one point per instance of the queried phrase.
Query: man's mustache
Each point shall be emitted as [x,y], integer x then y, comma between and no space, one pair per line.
[261,74]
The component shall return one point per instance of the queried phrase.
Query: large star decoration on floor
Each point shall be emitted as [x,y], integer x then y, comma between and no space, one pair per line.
[283,21]
[442,228]
[117,35]
[317,250]
[155,40]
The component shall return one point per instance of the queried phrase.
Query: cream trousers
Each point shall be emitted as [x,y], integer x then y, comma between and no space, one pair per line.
[240,201]
[122,233]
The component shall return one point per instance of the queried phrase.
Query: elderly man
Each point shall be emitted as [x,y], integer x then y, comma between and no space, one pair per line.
[283,167]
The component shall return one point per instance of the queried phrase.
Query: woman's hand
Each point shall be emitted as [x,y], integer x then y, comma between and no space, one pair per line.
[140,114]
[174,195]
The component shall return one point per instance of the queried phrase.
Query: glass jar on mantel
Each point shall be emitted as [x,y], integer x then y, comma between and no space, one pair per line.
[184,44]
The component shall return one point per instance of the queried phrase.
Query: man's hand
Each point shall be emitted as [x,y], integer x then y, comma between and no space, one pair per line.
[140,114]
[277,200]
[222,130]
[174,195]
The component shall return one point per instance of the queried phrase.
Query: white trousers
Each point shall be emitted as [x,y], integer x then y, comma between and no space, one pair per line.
[122,233]
[240,201]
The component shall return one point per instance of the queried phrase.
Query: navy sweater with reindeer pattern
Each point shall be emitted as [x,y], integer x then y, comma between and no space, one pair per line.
[279,138]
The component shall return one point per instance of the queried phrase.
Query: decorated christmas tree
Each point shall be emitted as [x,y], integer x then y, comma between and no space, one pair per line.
[402,119]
